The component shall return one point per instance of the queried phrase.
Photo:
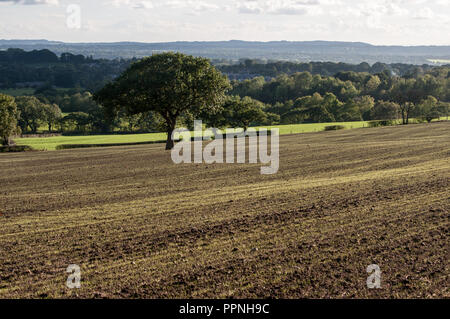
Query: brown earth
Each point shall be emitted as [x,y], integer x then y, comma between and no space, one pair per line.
[140,226]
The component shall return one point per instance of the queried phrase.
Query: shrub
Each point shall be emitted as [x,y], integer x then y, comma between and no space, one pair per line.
[334,127]
[381,123]
[15,148]
[71,146]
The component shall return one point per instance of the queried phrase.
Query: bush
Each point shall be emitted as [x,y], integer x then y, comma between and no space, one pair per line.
[334,127]
[382,123]
[417,120]
[71,146]
[15,148]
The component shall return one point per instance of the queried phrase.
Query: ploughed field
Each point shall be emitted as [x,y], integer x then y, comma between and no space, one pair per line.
[140,226]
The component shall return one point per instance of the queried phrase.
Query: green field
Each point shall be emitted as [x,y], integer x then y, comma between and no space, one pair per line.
[314,127]
[18,92]
[50,143]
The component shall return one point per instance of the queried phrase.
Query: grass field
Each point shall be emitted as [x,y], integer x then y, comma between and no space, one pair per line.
[140,226]
[18,92]
[315,127]
[50,143]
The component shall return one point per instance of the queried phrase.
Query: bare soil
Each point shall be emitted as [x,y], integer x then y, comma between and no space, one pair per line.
[140,226]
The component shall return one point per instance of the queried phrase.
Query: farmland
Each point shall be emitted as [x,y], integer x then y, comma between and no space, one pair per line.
[140,226]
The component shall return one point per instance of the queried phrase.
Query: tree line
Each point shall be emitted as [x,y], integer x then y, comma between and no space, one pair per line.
[20,68]
[167,90]
[255,67]
[350,96]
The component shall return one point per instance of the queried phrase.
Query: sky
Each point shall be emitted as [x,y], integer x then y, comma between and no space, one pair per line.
[379,22]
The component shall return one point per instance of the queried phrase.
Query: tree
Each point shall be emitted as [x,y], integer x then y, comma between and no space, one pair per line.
[372,84]
[334,106]
[364,104]
[31,112]
[314,109]
[78,119]
[272,119]
[411,91]
[444,108]
[99,122]
[8,118]
[385,111]
[171,84]
[150,122]
[239,112]
[52,114]
[404,94]
[428,109]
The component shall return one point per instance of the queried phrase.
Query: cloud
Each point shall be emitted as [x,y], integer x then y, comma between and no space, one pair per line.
[144,5]
[32,2]
[133,4]
[277,7]
[424,14]
[194,5]
[443,2]
[289,11]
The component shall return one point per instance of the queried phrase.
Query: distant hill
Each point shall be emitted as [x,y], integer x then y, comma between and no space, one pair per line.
[348,52]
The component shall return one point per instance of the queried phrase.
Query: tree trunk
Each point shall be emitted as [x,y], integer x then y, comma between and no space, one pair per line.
[403,117]
[171,122]
[5,141]
[170,129]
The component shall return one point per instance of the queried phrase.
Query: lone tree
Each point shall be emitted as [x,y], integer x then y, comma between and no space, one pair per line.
[170,84]
[8,118]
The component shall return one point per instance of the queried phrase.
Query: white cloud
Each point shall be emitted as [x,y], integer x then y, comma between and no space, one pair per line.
[278,7]
[375,21]
[194,5]
[133,4]
[443,2]
[32,2]
[424,13]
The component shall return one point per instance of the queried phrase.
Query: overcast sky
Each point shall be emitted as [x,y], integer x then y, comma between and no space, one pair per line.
[403,22]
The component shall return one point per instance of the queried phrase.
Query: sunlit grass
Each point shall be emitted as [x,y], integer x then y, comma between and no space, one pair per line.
[50,143]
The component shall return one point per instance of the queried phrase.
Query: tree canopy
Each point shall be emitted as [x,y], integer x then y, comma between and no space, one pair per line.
[8,118]
[170,84]
[239,112]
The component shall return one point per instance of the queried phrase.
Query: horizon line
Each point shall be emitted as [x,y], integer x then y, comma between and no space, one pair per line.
[233,40]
